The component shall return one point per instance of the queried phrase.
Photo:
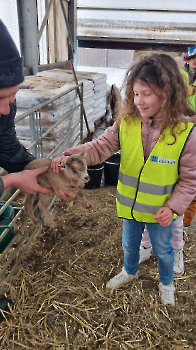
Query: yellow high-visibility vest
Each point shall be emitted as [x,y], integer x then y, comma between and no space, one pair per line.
[144,187]
[190,95]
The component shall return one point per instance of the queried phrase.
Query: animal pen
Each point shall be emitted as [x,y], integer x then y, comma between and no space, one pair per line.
[38,137]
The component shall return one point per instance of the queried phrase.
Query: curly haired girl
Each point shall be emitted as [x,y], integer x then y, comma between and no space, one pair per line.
[157,175]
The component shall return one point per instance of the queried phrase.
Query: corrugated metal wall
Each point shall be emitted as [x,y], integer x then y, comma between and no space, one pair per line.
[104,58]
[168,20]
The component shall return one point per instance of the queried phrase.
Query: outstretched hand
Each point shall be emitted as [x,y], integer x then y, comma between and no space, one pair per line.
[26,181]
[164,216]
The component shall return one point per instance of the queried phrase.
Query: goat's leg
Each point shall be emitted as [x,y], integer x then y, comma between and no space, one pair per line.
[82,199]
[69,206]
[44,201]
[28,204]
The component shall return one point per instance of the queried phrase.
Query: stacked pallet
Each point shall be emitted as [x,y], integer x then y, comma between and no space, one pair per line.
[100,92]
[94,103]
[37,89]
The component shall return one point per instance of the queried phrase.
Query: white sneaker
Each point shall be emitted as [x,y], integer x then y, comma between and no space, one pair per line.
[145,253]
[167,293]
[120,279]
[178,262]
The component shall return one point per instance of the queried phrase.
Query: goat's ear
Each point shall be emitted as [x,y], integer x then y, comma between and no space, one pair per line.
[84,152]
[63,165]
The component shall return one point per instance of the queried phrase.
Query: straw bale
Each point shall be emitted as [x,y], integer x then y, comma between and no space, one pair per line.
[60,297]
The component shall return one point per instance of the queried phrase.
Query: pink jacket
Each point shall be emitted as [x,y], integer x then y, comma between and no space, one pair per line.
[108,143]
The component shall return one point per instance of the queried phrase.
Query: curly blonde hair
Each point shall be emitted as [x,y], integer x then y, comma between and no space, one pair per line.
[161,70]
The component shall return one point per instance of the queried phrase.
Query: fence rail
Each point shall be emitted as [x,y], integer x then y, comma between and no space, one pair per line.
[37,137]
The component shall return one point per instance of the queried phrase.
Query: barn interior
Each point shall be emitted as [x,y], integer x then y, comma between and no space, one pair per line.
[74,51]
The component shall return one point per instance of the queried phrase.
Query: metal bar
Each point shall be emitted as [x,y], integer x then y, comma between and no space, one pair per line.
[133,44]
[75,140]
[47,37]
[86,8]
[13,240]
[39,140]
[52,127]
[12,256]
[81,116]
[68,28]
[9,201]
[52,202]
[44,104]
[39,34]
[28,33]
[60,121]
[81,99]
[65,137]
[72,20]
[11,225]
[33,133]
[55,33]
[18,260]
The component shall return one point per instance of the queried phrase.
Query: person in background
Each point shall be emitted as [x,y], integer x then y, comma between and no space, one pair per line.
[189,75]
[157,175]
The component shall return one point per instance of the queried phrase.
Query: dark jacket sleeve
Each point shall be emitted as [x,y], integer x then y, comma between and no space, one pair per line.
[1,187]
[13,155]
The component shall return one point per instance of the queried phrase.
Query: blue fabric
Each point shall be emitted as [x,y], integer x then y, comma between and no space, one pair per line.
[160,237]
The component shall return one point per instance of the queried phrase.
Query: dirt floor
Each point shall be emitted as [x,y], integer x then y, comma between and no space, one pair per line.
[60,297]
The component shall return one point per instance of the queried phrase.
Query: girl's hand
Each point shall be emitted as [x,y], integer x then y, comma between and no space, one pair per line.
[55,166]
[56,162]
[164,216]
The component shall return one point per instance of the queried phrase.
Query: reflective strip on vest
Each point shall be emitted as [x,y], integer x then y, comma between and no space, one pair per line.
[144,187]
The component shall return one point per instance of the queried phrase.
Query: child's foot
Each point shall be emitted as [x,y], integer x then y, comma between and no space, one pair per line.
[120,279]
[178,262]
[145,253]
[167,293]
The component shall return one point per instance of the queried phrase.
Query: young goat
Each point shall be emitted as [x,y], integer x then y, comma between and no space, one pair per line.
[70,179]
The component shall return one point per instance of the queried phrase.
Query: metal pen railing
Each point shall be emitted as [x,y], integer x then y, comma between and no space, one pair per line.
[37,138]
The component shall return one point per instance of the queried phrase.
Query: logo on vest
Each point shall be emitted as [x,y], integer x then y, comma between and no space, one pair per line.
[162,160]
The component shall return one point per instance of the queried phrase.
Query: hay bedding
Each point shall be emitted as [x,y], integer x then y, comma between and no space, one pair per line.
[60,295]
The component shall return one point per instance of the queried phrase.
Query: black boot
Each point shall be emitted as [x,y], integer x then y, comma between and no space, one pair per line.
[4,307]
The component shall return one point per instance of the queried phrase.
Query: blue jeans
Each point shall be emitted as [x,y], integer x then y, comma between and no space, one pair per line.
[160,237]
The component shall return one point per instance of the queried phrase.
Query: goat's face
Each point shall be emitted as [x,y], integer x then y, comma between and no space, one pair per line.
[76,170]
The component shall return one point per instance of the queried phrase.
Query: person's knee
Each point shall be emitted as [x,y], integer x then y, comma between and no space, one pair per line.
[163,253]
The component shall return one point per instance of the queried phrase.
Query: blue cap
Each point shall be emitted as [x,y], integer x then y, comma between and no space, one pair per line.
[191,52]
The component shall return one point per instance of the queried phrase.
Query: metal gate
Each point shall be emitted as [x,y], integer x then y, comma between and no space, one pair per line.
[21,240]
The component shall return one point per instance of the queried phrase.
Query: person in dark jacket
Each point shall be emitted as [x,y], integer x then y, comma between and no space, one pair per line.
[13,155]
